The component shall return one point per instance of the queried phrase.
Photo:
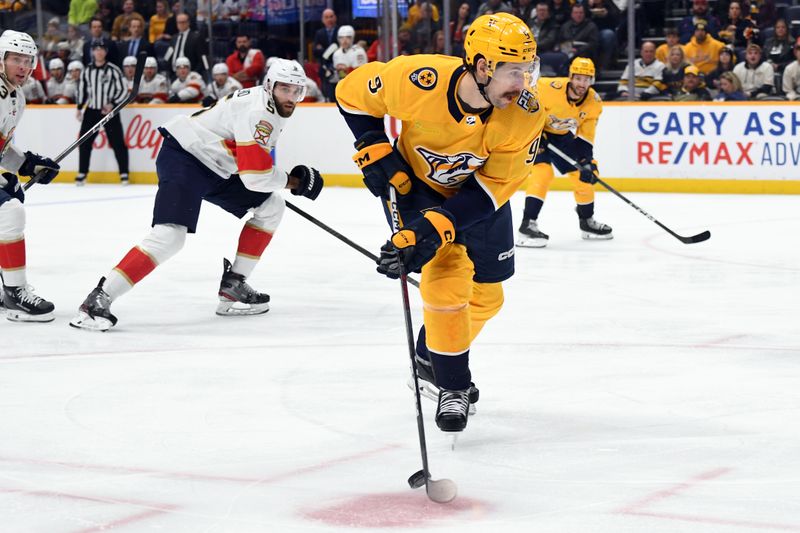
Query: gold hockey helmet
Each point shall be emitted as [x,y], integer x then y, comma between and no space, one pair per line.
[498,38]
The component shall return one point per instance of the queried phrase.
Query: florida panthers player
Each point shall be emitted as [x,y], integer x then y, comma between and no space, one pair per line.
[220,154]
[188,86]
[129,70]
[18,55]
[153,87]
[221,85]
[60,90]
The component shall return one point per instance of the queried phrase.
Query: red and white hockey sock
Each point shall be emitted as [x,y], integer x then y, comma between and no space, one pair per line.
[131,270]
[252,242]
[12,262]
[163,241]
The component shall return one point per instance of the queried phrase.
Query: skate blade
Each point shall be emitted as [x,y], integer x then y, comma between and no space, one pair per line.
[454,440]
[228,308]
[429,391]
[84,321]
[528,242]
[595,237]
[21,316]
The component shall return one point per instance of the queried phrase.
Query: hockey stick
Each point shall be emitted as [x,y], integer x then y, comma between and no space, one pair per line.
[137,78]
[438,490]
[700,237]
[340,236]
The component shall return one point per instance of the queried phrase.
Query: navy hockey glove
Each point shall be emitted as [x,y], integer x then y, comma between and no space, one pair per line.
[310,181]
[389,262]
[34,163]
[588,170]
[380,164]
[419,241]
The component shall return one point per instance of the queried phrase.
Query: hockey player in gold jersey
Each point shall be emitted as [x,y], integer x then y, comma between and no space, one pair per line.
[470,131]
[572,108]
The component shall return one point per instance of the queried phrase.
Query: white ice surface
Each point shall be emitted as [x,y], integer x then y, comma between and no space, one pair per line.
[632,385]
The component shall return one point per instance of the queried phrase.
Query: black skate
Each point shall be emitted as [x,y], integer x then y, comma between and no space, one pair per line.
[237,297]
[529,235]
[592,229]
[95,311]
[22,305]
[428,388]
[453,410]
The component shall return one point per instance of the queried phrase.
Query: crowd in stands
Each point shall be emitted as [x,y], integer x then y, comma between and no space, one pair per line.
[727,50]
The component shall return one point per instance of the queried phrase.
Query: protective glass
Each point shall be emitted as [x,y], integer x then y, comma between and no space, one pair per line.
[289,92]
[513,73]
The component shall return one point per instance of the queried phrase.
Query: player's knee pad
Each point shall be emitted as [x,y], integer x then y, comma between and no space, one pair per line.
[12,220]
[487,299]
[164,241]
[268,215]
[584,192]
[446,290]
[539,180]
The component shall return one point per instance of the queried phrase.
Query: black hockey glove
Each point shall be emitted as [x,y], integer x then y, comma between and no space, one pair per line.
[419,241]
[34,163]
[174,99]
[389,262]
[310,181]
[381,165]
[589,172]
[208,101]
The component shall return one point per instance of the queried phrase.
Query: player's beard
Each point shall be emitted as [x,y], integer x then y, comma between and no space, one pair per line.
[285,109]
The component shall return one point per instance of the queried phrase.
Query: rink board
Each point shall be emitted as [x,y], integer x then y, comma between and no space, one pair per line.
[748,147]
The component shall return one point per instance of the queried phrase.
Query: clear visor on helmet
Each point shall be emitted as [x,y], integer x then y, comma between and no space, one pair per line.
[12,62]
[512,73]
[289,91]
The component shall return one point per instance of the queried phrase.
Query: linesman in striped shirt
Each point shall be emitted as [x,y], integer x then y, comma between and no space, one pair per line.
[102,87]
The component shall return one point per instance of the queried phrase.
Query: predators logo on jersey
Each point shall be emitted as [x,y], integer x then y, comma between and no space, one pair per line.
[561,124]
[450,170]
[424,78]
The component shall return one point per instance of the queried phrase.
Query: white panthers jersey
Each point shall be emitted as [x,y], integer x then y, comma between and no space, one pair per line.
[215,91]
[33,91]
[188,90]
[352,58]
[61,92]
[12,104]
[154,91]
[235,136]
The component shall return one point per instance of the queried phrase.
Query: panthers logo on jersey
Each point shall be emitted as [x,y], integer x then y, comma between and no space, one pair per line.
[425,78]
[262,132]
[450,170]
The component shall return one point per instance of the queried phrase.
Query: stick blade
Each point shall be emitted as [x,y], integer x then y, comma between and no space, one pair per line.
[700,237]
[441,490]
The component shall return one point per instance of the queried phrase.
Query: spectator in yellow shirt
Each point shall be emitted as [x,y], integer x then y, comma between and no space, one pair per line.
[673,39]
[703,50]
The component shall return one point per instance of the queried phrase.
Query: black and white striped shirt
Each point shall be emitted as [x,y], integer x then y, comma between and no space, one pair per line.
[100,86]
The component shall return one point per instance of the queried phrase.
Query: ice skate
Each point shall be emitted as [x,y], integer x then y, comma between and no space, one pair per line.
[592,229]
[80,180]
[236,297]
[95,311]
[428,389]
[123,179]
[529,235]
[453,410]
[22,305]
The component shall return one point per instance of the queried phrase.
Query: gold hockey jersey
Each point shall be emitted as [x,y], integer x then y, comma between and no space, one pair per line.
[442,142]
[579,118]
